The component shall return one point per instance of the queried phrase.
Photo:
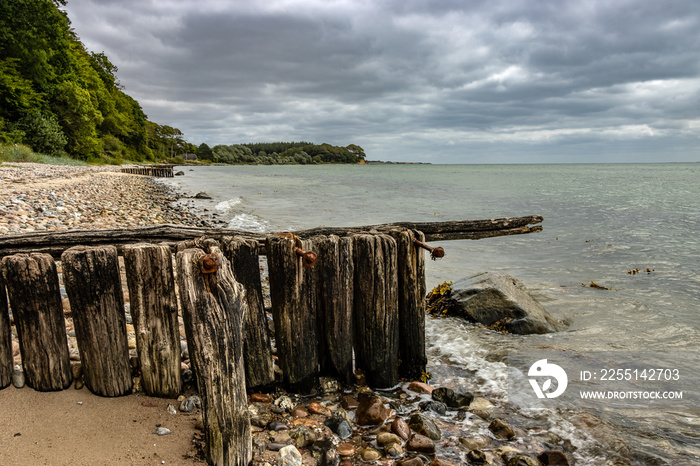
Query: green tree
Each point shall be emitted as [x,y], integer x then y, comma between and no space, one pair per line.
[204,152]
[79,119]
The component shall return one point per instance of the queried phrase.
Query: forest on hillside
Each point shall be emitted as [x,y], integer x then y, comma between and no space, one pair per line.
[60,99]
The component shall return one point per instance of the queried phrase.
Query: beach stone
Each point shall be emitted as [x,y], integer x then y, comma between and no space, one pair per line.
[370,454]
[277,426]
[339,426]
[260,398]
[260,414]
[434,406]
[317,408]
[299,412]
[481,407]
[395,450]
[371,411]
[473,443]
[202,195]
[79,384]
[440,462]
[387,438]
[501,429]
[476,457]
[162,431]
[420,387]
[492,297]
[420,444]
[523,460]
[424,426]
[329,385]
[400,428]
[346,449]
[411,462]
[180,173]
[303,436]
[284,402]
[189,404]
[18,379]
[171,409]
[289,456]
[452,399]
[553,458]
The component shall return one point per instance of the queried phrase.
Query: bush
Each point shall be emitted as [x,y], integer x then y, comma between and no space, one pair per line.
[43,133]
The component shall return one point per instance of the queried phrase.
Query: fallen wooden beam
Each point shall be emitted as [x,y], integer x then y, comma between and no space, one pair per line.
[56,242]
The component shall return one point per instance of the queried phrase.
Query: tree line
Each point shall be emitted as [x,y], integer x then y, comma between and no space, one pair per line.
[60,99]
[277,153]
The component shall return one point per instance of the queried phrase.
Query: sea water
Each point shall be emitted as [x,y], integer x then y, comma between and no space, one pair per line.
[601,221]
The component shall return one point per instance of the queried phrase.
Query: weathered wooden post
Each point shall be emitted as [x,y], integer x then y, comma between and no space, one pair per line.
[376,309]
[91,277]
[149,276]
[244,257]
[293,294]
[6,365]
[35,298]
[411,270]
[335,269]
[214,308]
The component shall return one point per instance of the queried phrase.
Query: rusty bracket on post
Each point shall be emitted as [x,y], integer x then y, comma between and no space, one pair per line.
[435,253]
[308,258]
[208,265]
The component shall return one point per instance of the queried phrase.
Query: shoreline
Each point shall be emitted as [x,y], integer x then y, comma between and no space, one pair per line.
[83,191]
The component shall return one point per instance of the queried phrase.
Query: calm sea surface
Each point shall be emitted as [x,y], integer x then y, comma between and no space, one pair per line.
[599,222]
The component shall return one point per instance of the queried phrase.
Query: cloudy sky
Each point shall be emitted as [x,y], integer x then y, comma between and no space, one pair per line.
[441,81]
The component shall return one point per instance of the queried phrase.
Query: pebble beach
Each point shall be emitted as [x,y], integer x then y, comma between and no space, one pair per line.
[413,425]
[38,197]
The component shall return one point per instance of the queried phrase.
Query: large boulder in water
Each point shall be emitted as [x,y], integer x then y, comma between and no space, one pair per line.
[500,300]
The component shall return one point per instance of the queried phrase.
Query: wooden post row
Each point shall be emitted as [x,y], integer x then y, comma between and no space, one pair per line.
[214,308]
[245,263]
[149,276]
[411,285]
[293,294]
[6,362]
[35,298]
[335,273]
[367,289]
[376,309]
[91,277]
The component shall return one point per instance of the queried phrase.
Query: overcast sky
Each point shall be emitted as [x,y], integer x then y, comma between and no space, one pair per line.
[441,81]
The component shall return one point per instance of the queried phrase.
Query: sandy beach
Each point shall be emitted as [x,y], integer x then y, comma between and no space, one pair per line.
[75,426]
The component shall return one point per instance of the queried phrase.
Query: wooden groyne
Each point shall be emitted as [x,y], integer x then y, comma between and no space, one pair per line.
[54,243]
[159,171]
[346,303]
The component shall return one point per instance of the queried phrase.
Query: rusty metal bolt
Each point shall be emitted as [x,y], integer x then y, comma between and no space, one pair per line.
[435,253]
[208,264]
[308,258]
